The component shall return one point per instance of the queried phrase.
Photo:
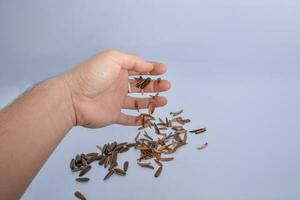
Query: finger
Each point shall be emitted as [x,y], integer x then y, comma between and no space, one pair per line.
[153,86]
[128,120]
[130,62]
[141,103]
[158,69]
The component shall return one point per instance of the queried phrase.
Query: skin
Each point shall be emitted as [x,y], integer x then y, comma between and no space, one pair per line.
[92,95]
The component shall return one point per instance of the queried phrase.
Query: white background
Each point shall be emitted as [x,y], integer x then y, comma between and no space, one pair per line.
[234,68]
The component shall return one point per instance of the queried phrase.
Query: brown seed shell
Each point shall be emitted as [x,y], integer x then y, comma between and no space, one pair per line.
[108,175]
[176,113]
[145,83]
[119,171]
[146,165]
[158,163]
[79,195]
[85,170]
[198,131]
[166,159]
[158,172]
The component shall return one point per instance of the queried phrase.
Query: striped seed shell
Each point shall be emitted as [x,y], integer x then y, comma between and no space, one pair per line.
[108,175]
[158,172]
[119,171]
[85,170]
[79,195]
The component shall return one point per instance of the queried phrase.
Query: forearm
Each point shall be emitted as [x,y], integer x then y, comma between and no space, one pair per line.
[30,129]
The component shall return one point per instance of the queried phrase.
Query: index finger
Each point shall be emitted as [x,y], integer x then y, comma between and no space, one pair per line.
[158,69]
[130,62]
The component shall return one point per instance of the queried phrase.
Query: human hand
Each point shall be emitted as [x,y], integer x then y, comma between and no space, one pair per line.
[99,88]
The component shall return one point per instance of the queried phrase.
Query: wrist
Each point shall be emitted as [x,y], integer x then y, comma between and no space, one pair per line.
[60,99]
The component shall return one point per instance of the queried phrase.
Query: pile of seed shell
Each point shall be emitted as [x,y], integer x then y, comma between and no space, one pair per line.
[156,140]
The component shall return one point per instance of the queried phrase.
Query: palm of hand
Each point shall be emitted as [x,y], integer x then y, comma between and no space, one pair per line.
[102,99]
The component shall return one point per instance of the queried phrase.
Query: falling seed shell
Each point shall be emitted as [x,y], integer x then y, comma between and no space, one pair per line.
[174,114]
[79,195]
[203,146]
[158,172]
[198,131]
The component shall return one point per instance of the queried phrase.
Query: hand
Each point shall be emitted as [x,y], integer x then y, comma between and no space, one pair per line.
[99,88]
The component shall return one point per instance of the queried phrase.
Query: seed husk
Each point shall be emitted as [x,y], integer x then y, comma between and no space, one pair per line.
[166,159]
[185,137]
[98,147]
[85,170]
[124,149]
[157,131]
[198,131]
[174,114]
[84,162]
[131,145]
[145,83]
[107,161]
[72,164]
[108,175]
[158,172]
[119,171]
[114,157]
[82,180]
[146,165]
[79,195]
[125,166]
[147,136]
[77,169]
[102,160]
[151,108]
[104,148]
[112,166]
[203,146]
[158,163]
[177,138]
[113,145]
[93,154]
[77,159]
